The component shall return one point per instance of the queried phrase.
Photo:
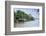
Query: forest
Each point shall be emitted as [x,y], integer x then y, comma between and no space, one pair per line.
[21,16]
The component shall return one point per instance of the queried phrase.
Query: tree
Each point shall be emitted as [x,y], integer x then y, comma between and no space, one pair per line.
[21,15]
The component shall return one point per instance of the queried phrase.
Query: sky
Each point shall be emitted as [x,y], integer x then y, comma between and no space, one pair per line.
[31,11]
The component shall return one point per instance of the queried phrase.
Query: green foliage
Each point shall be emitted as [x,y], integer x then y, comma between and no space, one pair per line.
[21,15]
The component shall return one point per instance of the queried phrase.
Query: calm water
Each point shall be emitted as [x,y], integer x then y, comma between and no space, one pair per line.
[34,23]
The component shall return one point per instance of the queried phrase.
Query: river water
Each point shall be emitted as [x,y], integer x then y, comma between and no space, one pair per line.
[34,23]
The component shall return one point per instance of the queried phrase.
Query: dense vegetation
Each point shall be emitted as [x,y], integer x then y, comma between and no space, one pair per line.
[21,16]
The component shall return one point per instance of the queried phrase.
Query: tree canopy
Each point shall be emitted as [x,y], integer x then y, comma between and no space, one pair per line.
[21,15]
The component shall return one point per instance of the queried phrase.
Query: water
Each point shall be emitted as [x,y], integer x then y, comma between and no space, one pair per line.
[34,23]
